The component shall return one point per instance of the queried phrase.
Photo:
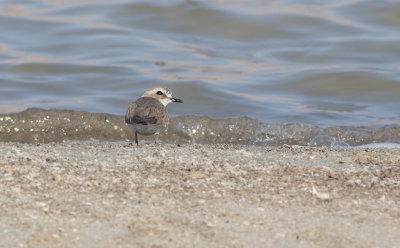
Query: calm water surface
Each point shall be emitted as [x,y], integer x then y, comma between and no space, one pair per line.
[325,63]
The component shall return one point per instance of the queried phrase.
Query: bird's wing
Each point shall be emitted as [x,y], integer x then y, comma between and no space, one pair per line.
[137,119]
[145,115]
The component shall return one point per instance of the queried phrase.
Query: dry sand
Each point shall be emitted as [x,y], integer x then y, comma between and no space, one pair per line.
[116,195]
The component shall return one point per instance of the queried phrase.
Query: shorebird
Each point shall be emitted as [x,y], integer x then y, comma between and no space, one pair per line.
[148,115]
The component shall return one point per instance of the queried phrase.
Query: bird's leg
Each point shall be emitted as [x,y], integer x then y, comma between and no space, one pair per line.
[136,141]
[155,142]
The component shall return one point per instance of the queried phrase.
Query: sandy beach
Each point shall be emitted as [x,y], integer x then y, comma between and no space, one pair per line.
[287,135]
[101,194]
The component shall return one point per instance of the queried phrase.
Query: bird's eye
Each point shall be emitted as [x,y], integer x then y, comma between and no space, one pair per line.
[159,93]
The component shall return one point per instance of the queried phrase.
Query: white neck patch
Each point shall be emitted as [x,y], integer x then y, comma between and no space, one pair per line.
[165,101]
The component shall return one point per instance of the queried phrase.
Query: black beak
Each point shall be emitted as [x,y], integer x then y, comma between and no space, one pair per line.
[176,100]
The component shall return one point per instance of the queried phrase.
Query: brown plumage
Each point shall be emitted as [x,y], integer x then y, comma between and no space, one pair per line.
[148,115]
[147,110]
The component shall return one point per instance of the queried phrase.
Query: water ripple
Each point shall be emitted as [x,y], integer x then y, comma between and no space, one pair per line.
[318,63]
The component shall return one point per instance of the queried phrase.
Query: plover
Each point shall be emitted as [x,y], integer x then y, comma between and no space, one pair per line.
[148,115]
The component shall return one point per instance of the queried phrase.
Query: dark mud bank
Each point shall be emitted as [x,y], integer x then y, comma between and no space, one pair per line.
[54,125]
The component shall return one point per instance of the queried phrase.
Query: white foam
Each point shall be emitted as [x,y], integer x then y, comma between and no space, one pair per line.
[379,145]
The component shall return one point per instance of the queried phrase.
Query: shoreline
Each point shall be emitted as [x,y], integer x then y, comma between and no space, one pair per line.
[101,194]
[54,125]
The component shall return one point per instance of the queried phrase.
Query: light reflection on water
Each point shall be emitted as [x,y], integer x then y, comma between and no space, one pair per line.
[320,63]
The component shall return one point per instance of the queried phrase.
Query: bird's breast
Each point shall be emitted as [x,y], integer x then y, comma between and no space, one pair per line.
[149,129]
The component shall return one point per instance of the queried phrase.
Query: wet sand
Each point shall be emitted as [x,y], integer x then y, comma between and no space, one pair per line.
[116,195]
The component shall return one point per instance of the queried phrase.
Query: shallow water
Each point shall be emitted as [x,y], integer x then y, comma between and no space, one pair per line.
[323,63]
